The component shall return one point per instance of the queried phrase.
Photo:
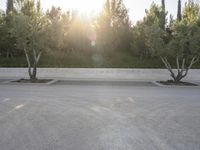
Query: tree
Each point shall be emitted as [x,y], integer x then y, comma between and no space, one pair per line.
[183,46]
[9,41]
[31,36]
[78,35]
[37,33]
[113,27]
[2,31]
[38,7]
[191,12]
[56,28]
[171,20]
[179,13]
[163,15]
[10,6]
[138,45]
[156,15]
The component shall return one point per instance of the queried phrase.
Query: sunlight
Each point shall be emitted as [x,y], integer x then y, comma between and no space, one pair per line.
[86,7]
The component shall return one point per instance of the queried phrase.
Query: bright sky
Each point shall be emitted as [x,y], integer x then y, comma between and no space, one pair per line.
[136,7]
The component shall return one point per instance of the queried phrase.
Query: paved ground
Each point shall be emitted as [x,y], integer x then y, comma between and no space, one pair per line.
[98,73]
[79,117]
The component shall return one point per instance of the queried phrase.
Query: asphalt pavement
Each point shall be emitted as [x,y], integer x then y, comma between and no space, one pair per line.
[99,117]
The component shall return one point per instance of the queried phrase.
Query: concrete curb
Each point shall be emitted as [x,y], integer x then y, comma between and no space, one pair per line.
[11,82]
[172,86]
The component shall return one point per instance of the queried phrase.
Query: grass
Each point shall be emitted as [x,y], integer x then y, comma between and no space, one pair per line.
[13,62]
[81,60]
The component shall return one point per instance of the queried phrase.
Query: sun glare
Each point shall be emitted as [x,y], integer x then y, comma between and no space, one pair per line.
[85,6]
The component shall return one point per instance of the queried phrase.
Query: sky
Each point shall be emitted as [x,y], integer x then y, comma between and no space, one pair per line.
[136,7]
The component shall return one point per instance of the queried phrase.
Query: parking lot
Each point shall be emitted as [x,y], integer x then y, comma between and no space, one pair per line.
[100,117]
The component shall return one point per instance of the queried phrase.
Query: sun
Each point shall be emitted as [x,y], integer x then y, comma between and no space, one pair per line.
[86,6]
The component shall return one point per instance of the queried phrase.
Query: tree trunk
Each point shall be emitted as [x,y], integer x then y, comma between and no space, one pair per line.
[34,73]
[32,67]
[181,71]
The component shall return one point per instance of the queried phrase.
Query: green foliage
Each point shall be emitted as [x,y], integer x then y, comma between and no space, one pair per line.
[155,15]
[191,12]
[31,34]
[7,42]
[113,27]
[3,34]
[186,41]
[38,7]
[154,40]
[171,21]
[155,19]
[21,30]
[18,61]
[55,29]
[30,31]
[28,8]
[69,39]
[138,44]
[78,35]
[10,6]
[82,60]
[54,14]
[183,46]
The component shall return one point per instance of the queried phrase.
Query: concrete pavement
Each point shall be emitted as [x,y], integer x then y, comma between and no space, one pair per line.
[92,117]
[87,73]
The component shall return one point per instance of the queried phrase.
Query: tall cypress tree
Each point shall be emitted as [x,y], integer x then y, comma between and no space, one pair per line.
[163,5]
[163,15]
[10,6]
[10,40]
[179,15]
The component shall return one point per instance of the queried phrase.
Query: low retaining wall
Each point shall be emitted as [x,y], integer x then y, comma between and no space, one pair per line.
[106,74]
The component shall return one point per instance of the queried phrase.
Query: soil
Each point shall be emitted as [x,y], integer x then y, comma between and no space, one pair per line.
[170,82]
[33,81]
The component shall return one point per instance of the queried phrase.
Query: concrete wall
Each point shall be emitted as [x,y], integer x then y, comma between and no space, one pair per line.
[115,74]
